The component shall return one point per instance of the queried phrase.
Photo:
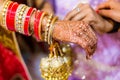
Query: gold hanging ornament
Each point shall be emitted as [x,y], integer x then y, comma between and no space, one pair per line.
[58,65]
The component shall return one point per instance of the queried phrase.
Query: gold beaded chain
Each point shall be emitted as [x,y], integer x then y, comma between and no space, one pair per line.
[4,11]
[51,30]
[19,18]
[47,26]
[40,25]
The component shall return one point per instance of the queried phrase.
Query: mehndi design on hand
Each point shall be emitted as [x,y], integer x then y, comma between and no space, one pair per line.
[76,32]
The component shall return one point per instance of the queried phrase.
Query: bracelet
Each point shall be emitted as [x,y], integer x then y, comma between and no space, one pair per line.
[50,31]
[40,25]
[4,12]
[36,24]
[11,15]
[23,20]
[47,27]
[19,18]
[27,29]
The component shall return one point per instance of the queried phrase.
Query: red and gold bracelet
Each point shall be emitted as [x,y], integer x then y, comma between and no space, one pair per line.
[11,15]
[37,24]
[4,13]
[27,29]
[40,25]
[17,17]
[19,24]
[23,19]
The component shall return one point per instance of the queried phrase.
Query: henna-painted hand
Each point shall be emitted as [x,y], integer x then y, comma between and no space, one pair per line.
[76,32]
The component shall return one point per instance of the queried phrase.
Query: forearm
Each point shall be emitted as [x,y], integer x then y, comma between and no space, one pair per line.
[22,17]
[25,20]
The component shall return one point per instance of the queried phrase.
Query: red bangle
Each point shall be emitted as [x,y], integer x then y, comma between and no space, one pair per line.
[27,21]
[8,14]
[37,28]
[12,16]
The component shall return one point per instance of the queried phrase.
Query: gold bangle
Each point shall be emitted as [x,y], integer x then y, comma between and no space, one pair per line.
[17,17]
[47,27]
[4,12]
[19,23]
[40,25]
[51,30]
[23,18]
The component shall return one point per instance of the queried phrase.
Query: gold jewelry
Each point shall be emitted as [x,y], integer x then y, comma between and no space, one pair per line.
[40,24]
[19,23]
[47,27]
[4,12]
[57,66]
[51,29]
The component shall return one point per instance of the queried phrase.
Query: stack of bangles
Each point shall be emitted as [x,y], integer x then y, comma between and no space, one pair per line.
[17,17]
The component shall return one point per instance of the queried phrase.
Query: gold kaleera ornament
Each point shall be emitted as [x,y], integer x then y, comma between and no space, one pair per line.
[58,66]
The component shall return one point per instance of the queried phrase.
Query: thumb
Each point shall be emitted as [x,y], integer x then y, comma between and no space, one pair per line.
[110,14]
[105,13]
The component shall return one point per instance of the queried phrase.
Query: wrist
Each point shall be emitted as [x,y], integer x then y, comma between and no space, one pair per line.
[116,27]
[44,22]
[109,24]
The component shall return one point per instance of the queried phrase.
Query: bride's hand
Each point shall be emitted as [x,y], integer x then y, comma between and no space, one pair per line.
[84,12]
[76,32]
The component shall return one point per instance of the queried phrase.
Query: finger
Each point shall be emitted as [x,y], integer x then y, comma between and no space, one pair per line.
[90,31]
[90,35]
[90,39]
[90,51]
[86,29]
[73,12]
[103,5]
[86,37]
[106,13]
[79,16]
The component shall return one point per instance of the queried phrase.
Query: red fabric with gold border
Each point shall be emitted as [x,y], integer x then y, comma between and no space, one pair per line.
[10,66]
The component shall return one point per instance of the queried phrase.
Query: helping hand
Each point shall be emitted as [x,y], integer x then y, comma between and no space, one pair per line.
[84,12]
[110,9]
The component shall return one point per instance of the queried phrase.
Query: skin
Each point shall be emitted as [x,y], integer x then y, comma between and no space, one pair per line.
[71,31]
[76,32]
[46,7]
[110,9]
[91,17]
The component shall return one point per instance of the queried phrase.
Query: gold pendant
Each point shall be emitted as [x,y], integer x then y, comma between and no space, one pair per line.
[58,66]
